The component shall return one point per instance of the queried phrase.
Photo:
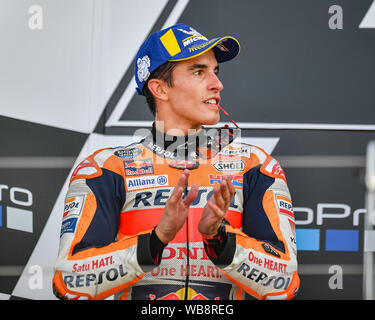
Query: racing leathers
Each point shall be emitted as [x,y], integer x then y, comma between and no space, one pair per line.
[116,198]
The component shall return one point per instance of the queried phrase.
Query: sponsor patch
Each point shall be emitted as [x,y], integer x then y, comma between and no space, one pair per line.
[161,151]
[190,40]
[68,226]
[267,263]
[85,168]
[93,279]
[73,207]
[285,208]
[201,46]
[274,168]
[270,250]
[146,182]
[143,68]
[228,166]
[216,180]
[138,167]
[262,278]
[190,32]
[231,153]
[180,294]
[128,153]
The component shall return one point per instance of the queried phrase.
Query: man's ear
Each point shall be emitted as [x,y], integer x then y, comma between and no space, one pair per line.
[158,88]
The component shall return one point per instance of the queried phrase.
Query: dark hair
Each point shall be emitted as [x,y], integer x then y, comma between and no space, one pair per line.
[163,72]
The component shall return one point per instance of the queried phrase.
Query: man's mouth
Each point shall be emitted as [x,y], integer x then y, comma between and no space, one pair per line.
[212,101]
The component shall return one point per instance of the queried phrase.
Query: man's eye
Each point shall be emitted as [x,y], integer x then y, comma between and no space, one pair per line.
[198,72]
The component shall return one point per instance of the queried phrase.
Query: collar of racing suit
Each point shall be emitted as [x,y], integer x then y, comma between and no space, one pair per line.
[183,152]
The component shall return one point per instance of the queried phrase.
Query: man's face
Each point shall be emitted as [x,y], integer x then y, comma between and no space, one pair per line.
[196,92]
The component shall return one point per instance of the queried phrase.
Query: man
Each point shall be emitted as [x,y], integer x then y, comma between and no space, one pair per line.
[183,214]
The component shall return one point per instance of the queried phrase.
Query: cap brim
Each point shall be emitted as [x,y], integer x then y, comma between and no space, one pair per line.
[225,48]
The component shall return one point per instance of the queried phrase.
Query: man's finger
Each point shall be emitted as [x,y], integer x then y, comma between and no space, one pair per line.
[230,190]
[216,210]
[224,189]
[191,196]
[218,197]
[181,183]
[183,179]
[176,194]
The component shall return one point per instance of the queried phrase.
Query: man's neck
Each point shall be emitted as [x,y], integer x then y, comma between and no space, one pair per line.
[176,129]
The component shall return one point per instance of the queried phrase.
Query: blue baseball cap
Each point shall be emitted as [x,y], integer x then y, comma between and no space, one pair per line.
[177,43]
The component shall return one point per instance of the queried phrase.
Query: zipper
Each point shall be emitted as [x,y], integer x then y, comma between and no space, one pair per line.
[187,253]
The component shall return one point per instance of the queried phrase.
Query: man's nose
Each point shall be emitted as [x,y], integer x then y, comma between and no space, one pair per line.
[215,83]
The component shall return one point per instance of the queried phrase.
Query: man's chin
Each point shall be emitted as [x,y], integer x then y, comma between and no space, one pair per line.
[211,121]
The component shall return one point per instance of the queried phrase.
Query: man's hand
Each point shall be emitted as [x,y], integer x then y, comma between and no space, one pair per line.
[216,207]
[176,210]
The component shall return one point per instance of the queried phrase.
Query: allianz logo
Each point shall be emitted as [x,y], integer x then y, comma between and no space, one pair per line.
[147,182]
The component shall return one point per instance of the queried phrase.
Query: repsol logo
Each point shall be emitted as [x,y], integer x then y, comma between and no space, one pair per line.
[160,197]
[89,279]
[279,283]
[70,206]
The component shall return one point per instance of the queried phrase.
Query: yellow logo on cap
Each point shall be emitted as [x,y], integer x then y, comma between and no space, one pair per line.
[170,43]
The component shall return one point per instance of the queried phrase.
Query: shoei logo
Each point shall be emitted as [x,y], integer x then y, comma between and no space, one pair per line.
[15,203]
[229,166]
[143,64]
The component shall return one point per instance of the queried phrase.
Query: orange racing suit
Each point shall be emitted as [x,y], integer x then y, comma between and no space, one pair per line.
[116,197]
